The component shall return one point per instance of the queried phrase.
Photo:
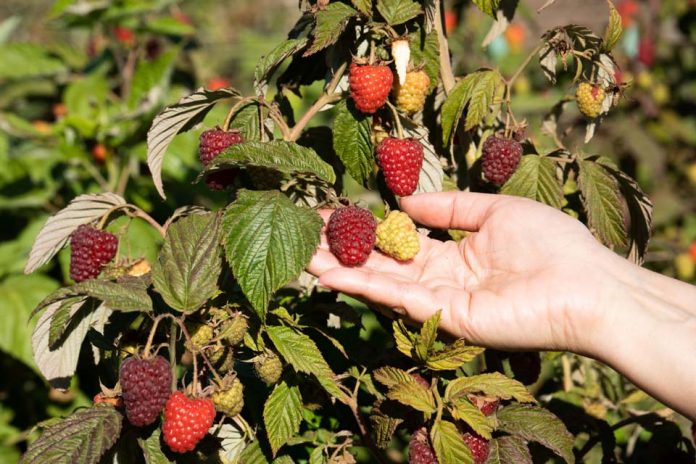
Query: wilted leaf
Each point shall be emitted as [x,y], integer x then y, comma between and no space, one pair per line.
[383,428]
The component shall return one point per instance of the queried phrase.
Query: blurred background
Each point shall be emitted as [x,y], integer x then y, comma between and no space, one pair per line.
[81,80]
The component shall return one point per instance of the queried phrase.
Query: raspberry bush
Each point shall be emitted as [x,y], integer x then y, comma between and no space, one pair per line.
[213,344]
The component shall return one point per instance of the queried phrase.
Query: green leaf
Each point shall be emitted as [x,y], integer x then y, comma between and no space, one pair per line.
[454,105]
[268,64]
[537,424]
[189,264]
[426,52]
[352,141]
[612,34]
[152,451]
[488,6]
[253,454]
[462,409]
[405,389]
[453,356]
[169,26]
[282,415]
[246,121]
[175,119]
[302,353]
[391,376]
[268,242]
[483,91]
[403,337]
[330,24]
[26,60]
[427,336]
[82,437]
[364,6]
[600,194]
[398,11]
[61,318]
[509,448]
[492,384]
[232,442]
[151,78]
[536,178]
[287,157]
[449,446]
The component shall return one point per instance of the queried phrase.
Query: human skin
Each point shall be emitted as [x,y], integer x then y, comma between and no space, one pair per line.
[530,277]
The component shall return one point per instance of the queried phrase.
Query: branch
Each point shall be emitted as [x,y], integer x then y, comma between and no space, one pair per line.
[445,64]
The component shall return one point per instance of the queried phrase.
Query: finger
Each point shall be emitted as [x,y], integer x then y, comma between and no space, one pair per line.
[452,210]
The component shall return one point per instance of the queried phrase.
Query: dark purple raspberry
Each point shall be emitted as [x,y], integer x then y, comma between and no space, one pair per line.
[479,446]
[501,157]
[351,234]
[212,143]
[401,161]
[146,385]
[419,449]
[90,250]
[526,366]
[219,180]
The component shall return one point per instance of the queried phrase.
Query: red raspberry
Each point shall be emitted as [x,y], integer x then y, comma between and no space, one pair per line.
[212,143]
[146,386]
[186,421]
[351,234]
[501,157]
[90,250]
[369,86]
[486,404]
[421,380]
[401,161]
[419,449]
[479,446]
[526,366]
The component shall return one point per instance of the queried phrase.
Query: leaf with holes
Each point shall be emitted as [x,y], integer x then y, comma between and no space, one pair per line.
[282,414]
[536,178]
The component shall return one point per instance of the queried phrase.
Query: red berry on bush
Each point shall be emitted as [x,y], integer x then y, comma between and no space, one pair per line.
[212,143]
[90,250]
[419,449]
[186,421]
[146,386]
[500,158]
[351,234]
[401,161]
[479,446]
[369,86]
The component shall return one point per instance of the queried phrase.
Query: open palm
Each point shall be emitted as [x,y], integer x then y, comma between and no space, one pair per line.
[519,280]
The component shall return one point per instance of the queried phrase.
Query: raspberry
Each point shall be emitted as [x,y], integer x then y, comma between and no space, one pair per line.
[186,421]
[589,99]
[351,234]
[90,250]
[410,96]
[501,157]
[401,161]
[479,446]
[526,366]
[212,143]
[369,86]
[486,404]
[421,380]
[201,335]
[419,449]
[234,329]
[230,401]
[146,385]
[397,236]
[269,368]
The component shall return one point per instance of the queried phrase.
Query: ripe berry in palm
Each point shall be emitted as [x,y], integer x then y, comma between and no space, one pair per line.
[369,86]
[351,234]
[500,158]
[90,250]
[146,385]
[401,161]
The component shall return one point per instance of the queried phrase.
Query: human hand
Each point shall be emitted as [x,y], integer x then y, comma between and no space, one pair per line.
[527,277]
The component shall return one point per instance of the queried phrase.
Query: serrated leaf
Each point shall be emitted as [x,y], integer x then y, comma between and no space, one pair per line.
[403,337]
[398,11]
[352,141]
[536,178]
[59,321]
[232,442]
[302,354]
[612,34]
[488,6]
[448,444]
[427,336]
[364,6]
[268,64]
[492,384]
[246,121]
[454,105]
[268,242]
[390,376]
[58,365]
[28,60]
[537,424]
[405,389]
[175,119]
[282,415]
[253,454]
[383,428]
[330,24]
[482,94]
[81,438]
[189,264]
[152,451]
[507,449]
[426,52]
[462,409]
[287,157]
[600,194]
[56,232]
[453,356]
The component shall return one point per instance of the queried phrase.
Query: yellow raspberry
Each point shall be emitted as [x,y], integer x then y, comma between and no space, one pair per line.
[589,99]
[397,236]
[269,368]
[201,335]
[230,401]
[234,329]
[410,97]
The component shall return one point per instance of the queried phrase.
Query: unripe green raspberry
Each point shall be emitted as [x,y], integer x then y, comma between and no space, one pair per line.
[589,99]
[410,97]
[234,329]
[201,335]
[397,236]
[269,368]
[230,401]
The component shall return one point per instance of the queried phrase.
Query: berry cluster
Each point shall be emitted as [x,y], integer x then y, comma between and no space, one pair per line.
[146,385]
[90,250]
[420,451]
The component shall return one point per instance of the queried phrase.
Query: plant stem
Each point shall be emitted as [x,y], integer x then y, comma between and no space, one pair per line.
[123,179]
[445,64]
[522,66]
[172,352]
[151,336]
[397,120]
[233,110]
[137,212]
